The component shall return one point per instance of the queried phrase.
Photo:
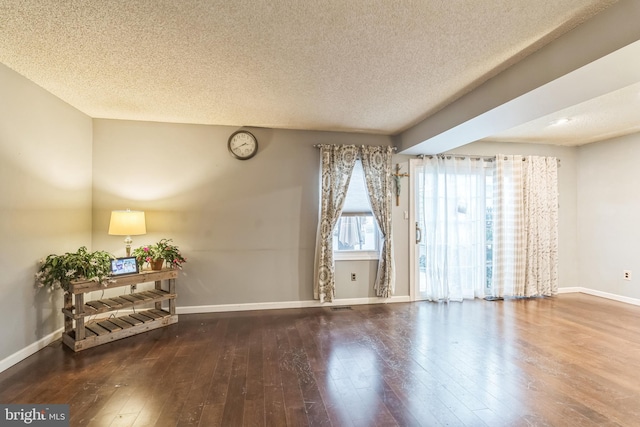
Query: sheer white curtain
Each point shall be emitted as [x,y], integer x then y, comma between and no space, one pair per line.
[336,166]
[453,212]
[525,254]
[376,163]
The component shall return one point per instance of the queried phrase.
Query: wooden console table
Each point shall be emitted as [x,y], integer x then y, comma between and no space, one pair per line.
[87,334]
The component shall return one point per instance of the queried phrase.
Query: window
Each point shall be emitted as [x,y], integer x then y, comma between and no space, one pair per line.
[356,235]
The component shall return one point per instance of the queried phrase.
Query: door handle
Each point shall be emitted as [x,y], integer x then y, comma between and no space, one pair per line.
[418,234]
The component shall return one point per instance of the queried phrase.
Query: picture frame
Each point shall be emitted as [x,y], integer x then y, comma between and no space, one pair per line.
[124,266]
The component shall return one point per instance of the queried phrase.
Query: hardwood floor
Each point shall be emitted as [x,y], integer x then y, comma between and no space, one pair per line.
[573,360]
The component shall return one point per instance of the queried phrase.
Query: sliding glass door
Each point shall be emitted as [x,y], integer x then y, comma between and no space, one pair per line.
[451,217]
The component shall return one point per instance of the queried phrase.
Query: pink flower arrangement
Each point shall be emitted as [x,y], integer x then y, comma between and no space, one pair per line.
[161,250]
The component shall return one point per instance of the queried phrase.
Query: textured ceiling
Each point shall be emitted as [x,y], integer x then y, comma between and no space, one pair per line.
[357,65]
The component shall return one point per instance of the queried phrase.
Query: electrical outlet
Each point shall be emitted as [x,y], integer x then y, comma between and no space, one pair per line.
[626,274]
[353,277]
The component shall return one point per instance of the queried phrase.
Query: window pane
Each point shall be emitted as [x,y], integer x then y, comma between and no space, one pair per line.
[355,233]
[356,229]
[357,200]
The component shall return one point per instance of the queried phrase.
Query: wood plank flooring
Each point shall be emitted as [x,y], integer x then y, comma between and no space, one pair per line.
[572,360]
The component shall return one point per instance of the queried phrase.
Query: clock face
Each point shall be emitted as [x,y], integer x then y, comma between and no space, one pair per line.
[243,145]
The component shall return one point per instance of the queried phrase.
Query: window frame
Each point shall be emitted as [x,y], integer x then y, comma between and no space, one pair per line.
[357,254]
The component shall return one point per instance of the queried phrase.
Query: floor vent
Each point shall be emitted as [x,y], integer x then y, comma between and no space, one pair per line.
[343,307]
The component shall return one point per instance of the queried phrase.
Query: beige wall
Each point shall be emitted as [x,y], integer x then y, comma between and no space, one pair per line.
[45,202]
[609,215]
[248,228]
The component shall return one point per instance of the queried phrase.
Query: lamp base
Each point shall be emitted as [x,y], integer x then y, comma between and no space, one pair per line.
[128,241]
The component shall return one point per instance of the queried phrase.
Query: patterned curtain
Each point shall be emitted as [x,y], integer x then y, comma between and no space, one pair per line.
[525,262]
[336,165]
[541,225]
[376,163]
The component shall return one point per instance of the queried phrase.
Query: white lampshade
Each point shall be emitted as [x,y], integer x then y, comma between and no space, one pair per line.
[127,223]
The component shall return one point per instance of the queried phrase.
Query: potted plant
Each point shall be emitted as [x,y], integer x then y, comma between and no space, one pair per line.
[158,254]
[58,271]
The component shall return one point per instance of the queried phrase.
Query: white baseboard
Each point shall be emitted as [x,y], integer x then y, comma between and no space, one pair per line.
[601,294]
[570,290]
[20,355]
[195,309]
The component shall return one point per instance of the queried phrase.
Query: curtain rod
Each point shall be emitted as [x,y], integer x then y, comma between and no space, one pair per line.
[459,156]
[472,157]
[325,145]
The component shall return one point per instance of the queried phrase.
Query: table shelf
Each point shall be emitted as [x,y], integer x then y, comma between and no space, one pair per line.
[80,334]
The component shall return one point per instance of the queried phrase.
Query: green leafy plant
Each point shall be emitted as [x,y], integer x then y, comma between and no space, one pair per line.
[162,250]
[58,271]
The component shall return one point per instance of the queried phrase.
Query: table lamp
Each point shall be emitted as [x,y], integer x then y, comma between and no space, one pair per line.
[127,223]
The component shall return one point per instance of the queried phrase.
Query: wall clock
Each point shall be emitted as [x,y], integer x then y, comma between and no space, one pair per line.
[243,145]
